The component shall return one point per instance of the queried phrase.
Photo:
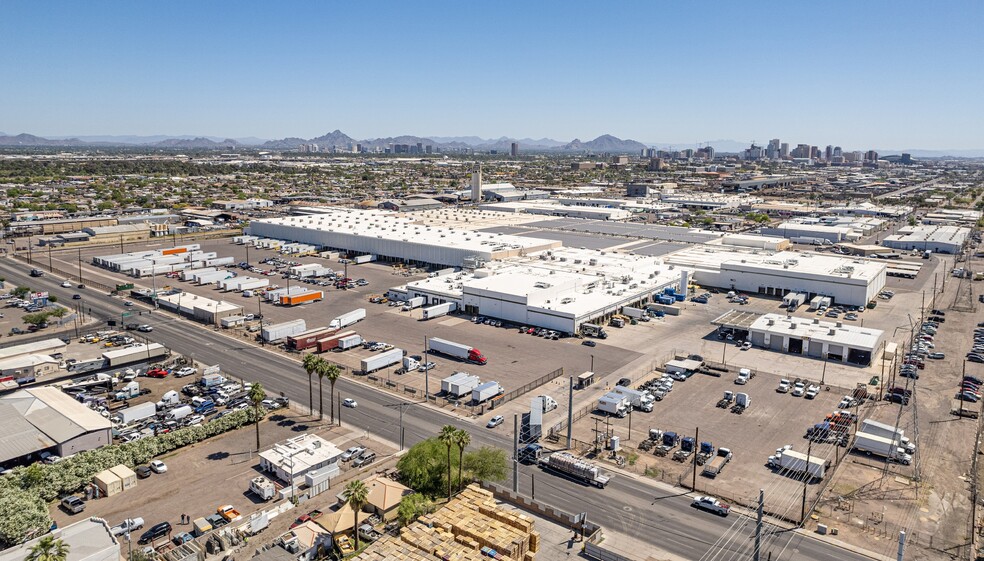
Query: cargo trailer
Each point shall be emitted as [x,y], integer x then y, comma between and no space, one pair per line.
[302,298]
[486,391]
[279,331]
[568,465]
[797,463]
[330,341]
[459,384]
[139,352]
[307,339]
[439,310]
[348,319]
[382,360]
[456,350]
[136,413]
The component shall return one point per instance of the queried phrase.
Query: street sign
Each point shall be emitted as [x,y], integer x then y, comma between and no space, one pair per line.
[126,314]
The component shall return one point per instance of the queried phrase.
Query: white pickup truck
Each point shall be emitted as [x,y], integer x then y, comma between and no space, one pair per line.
[710,504]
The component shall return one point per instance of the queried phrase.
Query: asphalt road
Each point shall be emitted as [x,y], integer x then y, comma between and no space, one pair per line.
[631,506]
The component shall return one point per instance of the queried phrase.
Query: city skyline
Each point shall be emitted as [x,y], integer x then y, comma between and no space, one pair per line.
[848,74]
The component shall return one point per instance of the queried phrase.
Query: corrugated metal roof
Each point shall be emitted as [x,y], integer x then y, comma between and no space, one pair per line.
[19,437]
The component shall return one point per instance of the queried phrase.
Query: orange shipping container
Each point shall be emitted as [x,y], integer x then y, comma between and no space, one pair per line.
[301,298]
[174,250]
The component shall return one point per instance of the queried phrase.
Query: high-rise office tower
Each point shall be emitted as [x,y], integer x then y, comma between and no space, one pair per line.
[514,149]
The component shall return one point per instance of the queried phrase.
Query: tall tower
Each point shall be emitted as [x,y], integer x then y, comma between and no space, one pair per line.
[514,149]
[476,186]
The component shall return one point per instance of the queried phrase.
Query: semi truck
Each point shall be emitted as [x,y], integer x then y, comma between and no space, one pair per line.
[714,467]
[348,319]
[641,400]
[870,426]
[797,463]
[635,313]
[871,444]
[382,360]
[486,391]
[593,330]
[136,353]
[456,350]
[568,465]
[439,310]
[459,384]
[614,404]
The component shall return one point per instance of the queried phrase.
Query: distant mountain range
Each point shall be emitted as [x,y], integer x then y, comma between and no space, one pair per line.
[605,143]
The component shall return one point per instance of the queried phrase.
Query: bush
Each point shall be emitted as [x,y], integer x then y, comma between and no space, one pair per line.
[25,492]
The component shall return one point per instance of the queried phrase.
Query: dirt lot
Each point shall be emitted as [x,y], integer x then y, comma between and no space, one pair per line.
[217,472]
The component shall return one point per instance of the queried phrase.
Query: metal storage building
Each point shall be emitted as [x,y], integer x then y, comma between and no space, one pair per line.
[832,341]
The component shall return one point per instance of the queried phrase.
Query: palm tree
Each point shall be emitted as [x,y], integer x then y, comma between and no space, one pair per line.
[321,368]
[256,397]
[310,364]
[332,372]
[462,439]
[448,437]
[48,549]
[357,494]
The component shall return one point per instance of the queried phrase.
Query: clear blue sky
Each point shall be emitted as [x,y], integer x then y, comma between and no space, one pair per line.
[888,74]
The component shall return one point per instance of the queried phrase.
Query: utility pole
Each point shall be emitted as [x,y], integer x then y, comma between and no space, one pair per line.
[515,455]
[50,268]
[724,350]
[80,265]
[806,480]
[962,374]
[592,363]
[121,244]
[935,278]
[901,553]
[426,370]
[823,375]
[693,484]
[758,527]
[570,411]
[630,423]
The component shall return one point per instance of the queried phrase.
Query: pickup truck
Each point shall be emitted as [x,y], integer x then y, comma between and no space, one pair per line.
[228,512]
[313,515]
[128,525]
[710,504]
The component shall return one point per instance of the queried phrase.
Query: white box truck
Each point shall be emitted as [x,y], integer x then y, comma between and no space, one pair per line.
[459,384]
[880,446]
[413,303]
[439,310]
[137,413]
[641,400]
[796,463]
[486,391]
[614,404]
[871,426]
[382,360]
[348,319]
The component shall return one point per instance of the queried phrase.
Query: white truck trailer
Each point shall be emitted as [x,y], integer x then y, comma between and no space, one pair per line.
[137,413]
[438,310]
[870,426]
[641,400]
[348,319]
[795,463]
[382,360]
[871,444]
[486,391]
[459,384]
[456,350]
[280,331]
[614,404]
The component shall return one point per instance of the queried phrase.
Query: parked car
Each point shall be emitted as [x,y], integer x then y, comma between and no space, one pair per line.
[365,459]
[73,504]
[128,525]
[143,472]
[156,532]
[589,343]
[353,452]
[158,466]
[495,421]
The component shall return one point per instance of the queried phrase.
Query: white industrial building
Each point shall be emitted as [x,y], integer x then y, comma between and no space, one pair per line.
[39,419]
[85,540]
[296,457]
[938,239]
[387,235]
[555,208]
[559,289]
[847,281]
[199,308]
[833,341]
[807,233]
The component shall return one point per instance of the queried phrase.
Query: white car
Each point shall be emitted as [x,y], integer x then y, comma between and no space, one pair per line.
[186,371]
[145,328]
[746,345]
[353,452]
[66,284]
[711,504]
[494,422]
[349,402]
[784,385]
[799,389]
[158,466]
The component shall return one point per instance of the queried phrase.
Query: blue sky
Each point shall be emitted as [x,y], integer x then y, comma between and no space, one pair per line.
[863,74]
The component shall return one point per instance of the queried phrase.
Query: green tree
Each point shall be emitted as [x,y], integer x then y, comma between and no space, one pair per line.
[310,364]
[36,318]
[332,372]
[422,467]
[461,439]
[25,513]
[20,291]
[414,506]
[48,549]
[448,438]
[256,396]
[321,369]
[57,311]
[53,299]
[357,494]
[486,464]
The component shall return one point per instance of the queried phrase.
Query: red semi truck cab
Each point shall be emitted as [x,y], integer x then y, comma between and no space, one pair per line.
[476,356]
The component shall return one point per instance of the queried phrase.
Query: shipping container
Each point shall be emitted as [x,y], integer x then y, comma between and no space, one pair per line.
[302,298]
[439,310]
[327,343]
[307,339]
[486,391]
[220,261]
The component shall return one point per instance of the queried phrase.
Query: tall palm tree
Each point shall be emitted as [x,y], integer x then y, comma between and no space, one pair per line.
[256,396]
[357,494]
[332,372]
[310,362]
[448,437]
[321,368]
[462,439]
[48,549]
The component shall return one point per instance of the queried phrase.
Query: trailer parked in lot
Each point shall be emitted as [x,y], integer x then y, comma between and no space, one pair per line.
[880,446]
[439,310]
[278,331]
[136,413]
[382,360]
[360,259]
[189,274]
[349,342]
[714,467]
[330,341]
[797,464]
[307,339]
[414,303]
[302,298]
[139,352]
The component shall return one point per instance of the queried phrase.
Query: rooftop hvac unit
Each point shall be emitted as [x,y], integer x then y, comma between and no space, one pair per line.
[831,332]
